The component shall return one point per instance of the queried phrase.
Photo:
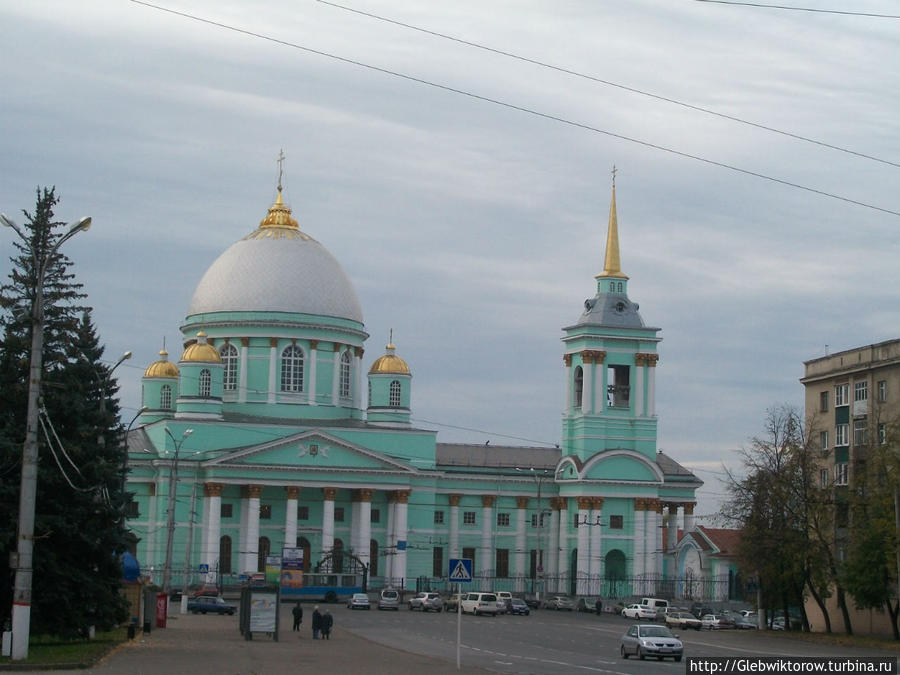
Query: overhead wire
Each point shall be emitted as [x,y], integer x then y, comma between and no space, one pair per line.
[803,9]
[593,78]
[519,108]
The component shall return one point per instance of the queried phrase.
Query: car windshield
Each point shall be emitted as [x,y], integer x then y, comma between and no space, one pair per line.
[655,631]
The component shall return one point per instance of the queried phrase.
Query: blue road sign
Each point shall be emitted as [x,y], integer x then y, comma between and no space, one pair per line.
[461,570]
[203,569]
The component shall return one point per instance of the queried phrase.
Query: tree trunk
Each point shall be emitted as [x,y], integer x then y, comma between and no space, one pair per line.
[821,603]
[842,603]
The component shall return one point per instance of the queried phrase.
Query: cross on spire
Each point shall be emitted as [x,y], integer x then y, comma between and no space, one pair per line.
[280,163]
[613,172]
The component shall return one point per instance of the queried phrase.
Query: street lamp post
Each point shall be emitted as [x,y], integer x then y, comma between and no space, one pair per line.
[24,557]
[125,449]
[170,524]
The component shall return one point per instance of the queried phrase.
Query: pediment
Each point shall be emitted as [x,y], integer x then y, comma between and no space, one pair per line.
[311,450]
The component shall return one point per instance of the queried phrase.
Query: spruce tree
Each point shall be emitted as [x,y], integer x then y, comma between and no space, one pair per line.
[79,525]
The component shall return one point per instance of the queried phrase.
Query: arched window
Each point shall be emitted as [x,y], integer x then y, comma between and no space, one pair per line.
[620,287]
[394,398]
[225,555]
[292,369]
[612,286]
[344,389]
[373,558]
[205,383]
[263,553]
[303,542]
[165,397]
[229,355]
[337,560]
[579,386]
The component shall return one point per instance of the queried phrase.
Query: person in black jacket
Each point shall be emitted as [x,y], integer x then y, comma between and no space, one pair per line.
[298,615]
[316,622]
[327,623]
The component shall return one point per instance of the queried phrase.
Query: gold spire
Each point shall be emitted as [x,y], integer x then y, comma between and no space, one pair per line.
[278,223]
[612,266]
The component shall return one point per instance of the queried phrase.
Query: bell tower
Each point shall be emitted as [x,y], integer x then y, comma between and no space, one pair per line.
[610,358]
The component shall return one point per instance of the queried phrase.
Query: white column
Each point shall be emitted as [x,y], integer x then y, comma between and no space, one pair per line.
[454,525]
[356,377]
[335,374]
[313,362]
[365,526]
[639,385]
[551,558]
[562,558]
[689,517]
[569,383]
[252,545]
[651,384]
[212,525]
[596,561]
[290,517]
[640,559]
[242,537]
[354,523]
[521,547]
[658,534]
[584,544]
[400,529]
[328,519]
[273,368]
[390,541]
[587,377]
[673,527]
[487,550]
[242,373]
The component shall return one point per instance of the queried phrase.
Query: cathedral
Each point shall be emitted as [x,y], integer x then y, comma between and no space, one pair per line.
[272,430]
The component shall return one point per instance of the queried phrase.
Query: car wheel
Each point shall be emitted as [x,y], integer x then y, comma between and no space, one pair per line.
[677,659]
[641,654]
[623,652]
[203,612]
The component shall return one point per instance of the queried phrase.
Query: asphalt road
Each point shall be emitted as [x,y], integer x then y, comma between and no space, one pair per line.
[551,642]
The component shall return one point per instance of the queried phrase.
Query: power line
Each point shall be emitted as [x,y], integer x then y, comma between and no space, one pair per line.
[802,9]
[592,78]
[530,111]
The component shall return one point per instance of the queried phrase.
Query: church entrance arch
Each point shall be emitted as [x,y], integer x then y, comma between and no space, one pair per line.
[614,566]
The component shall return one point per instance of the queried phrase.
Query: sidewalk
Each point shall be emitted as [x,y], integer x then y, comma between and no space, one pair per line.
[199,644]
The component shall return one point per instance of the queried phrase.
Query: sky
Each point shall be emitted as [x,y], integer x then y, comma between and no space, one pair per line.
[465,189]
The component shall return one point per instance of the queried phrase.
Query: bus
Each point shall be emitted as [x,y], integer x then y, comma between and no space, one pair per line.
[323,586]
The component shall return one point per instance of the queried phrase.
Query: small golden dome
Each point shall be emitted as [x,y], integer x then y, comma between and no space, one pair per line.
[389,363]
[162,368]
[200,350]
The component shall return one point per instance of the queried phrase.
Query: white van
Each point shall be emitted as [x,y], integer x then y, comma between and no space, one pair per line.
[658,605]
[480,603]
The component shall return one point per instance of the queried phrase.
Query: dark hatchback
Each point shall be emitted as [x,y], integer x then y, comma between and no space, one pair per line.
[517,606]
[204,604]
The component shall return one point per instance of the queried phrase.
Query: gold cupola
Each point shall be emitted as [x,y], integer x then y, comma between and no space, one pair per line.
[278,223]
[162,368]
[201,351]
[389,363]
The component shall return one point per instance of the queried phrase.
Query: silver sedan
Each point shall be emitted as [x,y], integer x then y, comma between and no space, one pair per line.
[643,641]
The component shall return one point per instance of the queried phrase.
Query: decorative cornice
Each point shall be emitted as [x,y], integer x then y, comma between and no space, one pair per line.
[584,503]
[646,359]
[487,501]
[358,352]
[313,344]
[401,496]
[363,495]
[254,491]
[245,342]
[557,503]
[328,493]
[593,356]
[597,503]
[521,502]
[273,342]
[689,508]
[213,489]
[292,491]
[454,499]
[567,359]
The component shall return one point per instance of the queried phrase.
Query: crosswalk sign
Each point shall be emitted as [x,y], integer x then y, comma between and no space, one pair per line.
[461,570]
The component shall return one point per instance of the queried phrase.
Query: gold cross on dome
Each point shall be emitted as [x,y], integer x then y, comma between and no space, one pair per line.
[614,171]
[280,163]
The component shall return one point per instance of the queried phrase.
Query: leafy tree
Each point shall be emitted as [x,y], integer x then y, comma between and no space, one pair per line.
[79,529]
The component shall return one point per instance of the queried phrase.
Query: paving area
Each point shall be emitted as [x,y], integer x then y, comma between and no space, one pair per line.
[212,644]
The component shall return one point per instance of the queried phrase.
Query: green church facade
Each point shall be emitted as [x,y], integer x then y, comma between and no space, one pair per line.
[274,432]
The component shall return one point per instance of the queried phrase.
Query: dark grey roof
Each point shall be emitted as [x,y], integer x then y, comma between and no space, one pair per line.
[611,309]
[674,470]
[496,456]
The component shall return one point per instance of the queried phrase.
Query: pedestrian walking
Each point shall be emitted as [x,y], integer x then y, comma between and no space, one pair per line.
[327,623]
[599,606]
[316,622]
[298,615]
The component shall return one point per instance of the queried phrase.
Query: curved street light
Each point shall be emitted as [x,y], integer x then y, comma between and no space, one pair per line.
[24,556]
[539,477]
[170,523]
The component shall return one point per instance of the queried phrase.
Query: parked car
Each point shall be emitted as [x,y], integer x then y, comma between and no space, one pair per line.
[389,599]
[710,621]
[645,640]
[479,603]
[452,603]
[503,598]
[205,589]
[726,619]
[532,601]
[560,602]
[207,604]
[745,622]
[683,620]
[359,601]
[518,606]
[699,610]
[637,611]
[427,600]
[587,605]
